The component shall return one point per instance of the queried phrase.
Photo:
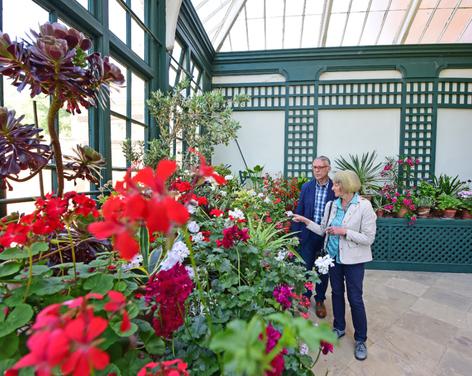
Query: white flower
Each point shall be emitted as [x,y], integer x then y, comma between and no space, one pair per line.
[304,349]
[224,193]
[323,264]
[171,259]
[178,253]
[191,209]
[260,195]
[198,237]
[236,214]
[134,263]
[229,177]
[190,272]
[281,255]
[267,200]
[252,193]
[289,213]
[193,227]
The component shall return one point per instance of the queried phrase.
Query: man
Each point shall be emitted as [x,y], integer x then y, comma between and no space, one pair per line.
[313,198]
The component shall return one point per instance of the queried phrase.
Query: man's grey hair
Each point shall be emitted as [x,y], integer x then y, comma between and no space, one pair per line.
[323,158]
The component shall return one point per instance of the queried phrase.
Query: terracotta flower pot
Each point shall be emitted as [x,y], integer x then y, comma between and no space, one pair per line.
[466,214]
[401,213]
[449,213]
[423,212]
[380,213]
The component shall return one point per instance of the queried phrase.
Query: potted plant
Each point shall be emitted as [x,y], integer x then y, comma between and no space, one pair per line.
[449,204]
[424,205]
[378,204]
[366,168]
[466,198]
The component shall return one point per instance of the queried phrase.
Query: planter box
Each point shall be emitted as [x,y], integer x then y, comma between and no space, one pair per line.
[439,245]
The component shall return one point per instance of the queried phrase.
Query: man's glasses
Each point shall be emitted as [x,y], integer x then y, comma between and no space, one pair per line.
[319,167]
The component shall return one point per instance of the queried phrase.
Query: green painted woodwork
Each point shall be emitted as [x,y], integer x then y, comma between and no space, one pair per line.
[429,245]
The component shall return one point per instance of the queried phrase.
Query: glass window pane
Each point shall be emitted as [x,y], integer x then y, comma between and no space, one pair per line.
[293,28]
[311,31]
[29,188]
[117,19]
[335,29]
[137,6]
[137,132]
[118,95]
[17,23]
[118,135]
[73,130]
[372,28]
[256,32]
[84,3]
[437,24]
[137,39]
[391,26]
[137,98]
[457,25]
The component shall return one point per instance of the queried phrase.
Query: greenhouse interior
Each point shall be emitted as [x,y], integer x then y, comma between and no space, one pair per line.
[197,187]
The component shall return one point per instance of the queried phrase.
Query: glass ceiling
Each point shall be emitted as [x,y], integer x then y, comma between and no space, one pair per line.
[242,25]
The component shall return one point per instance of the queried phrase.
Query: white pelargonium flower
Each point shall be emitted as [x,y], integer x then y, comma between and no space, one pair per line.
[198,237]
[191,209]
[193,227]
[223,193]
[260,194]
[135,262]
[190,272]
[289,213]
[178,253]
[267,200]
[229,177]
[304,349]
[281,255]
[236,214]
[323,264]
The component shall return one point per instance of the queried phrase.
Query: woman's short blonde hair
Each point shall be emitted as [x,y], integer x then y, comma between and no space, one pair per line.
[348,180]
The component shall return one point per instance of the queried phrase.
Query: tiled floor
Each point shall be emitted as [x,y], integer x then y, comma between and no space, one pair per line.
[419,324]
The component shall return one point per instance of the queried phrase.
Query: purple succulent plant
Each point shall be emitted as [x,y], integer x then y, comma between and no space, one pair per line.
[56,63]
[20,147]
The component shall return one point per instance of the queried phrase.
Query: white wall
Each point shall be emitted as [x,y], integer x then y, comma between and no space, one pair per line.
[358,75]
[261,138]
[453,145]
[248,78]
[343,132]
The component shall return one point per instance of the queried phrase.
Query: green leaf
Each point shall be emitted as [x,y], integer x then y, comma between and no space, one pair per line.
[9,268]
[22,253]
[6,364]
[48,286]
[9,345]
[155,345]
[115,324]
[19,316]
[100,283]
[111,369]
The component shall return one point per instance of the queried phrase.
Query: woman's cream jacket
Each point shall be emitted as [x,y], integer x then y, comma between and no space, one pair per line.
[360,222]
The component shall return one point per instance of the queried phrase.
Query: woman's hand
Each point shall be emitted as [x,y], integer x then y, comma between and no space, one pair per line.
[300,218]
[336,231]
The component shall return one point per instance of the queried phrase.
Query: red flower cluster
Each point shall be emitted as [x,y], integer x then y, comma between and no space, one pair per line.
[216,212]
[50,215]
[174,367]
[283,295]
[206,170]
[167,292]
[69,340]
[326,347]
[278,363]
[181,186]
[142,200]
[231,235]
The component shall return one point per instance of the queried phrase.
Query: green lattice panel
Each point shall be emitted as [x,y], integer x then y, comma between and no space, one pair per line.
[455,93]
[300,130]
[266,97]
[359,94]
[428,242]
[419,127]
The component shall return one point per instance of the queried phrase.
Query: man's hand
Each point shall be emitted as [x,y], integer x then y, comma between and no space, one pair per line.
[336,231]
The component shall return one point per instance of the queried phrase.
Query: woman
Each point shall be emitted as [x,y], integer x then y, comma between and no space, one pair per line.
[350,225]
